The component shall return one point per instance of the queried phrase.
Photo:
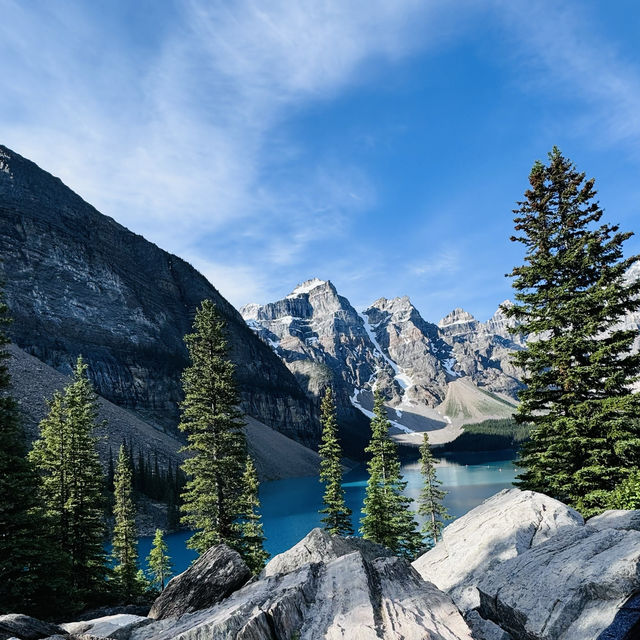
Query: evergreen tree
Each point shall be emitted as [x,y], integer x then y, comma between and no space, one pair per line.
[72,485]
[337,518]
[251,536]
[125,551]
[159,562]
[388,519]
[111,472]
[22,543]
[571,295]
[215,436]
[431,496]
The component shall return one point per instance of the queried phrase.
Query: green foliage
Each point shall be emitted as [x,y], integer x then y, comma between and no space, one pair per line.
[431,496]
[251,537]
[160,565]
[125,550]
[388,519]
[571,296]
[337,516]
[72,484]
[627,494]
[215,437]
[490,435]
[25,567]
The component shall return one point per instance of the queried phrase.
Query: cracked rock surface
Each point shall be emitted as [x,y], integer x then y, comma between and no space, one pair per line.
[324,587]
[525,566]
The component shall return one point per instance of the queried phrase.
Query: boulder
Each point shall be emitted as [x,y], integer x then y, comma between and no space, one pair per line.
[102,627]
[527,567]
[571,586]
[320,546]
[324,587]
[17,625]
[616,519]
[214,576]
[502,527]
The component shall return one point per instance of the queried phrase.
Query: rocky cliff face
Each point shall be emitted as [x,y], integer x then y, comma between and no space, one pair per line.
[79,283]
[480,350]
[322,340]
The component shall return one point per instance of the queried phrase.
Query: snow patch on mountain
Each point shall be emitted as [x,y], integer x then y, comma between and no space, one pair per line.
[448,365]
[306,287]
[370,414]
[402,378]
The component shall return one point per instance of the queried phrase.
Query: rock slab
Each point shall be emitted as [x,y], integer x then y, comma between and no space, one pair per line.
[324,587]
[528,566]
[16,625]
[215,575]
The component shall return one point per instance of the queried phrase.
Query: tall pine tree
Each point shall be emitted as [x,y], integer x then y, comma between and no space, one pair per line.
[251,536]
[24,563]
[125,550]
[388,519]
[337,516]
[72,486]
[215,437]
[571,294]
[159,562]
[431,496]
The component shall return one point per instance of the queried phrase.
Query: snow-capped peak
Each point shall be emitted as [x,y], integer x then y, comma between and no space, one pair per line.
[306,287]
[457,316]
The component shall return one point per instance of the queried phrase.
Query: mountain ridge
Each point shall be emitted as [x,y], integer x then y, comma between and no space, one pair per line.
[77,282]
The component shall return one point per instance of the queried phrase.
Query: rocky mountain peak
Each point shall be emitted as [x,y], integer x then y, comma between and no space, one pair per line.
[457,316]
[311,286]
[4,162]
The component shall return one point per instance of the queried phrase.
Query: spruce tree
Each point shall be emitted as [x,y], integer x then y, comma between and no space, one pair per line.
[23,546]
[337,516]
[159,562]
[125,550]
[388,519]
[72,485]
[571,294]
[215,437]
[431,496]
[251,536]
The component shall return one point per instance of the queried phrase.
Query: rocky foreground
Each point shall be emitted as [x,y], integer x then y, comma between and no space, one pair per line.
[521,566]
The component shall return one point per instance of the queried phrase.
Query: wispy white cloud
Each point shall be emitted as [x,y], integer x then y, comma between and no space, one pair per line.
[176,141]
[564,52]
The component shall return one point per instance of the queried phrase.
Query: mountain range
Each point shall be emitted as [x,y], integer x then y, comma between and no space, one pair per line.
[435,376]
[77,282]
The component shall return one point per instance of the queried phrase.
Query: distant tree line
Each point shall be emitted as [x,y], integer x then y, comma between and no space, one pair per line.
[489,435]
[151,479]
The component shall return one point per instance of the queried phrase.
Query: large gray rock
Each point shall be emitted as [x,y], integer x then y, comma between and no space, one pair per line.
[526,565]
[103,627]
[502,527]
[17,625]
[320,546]
[324,587]
[571,586]
[214,576]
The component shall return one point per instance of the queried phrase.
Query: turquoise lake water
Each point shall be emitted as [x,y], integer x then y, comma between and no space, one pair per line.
[290,506]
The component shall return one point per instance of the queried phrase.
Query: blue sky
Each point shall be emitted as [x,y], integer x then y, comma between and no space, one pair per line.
[381,145]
